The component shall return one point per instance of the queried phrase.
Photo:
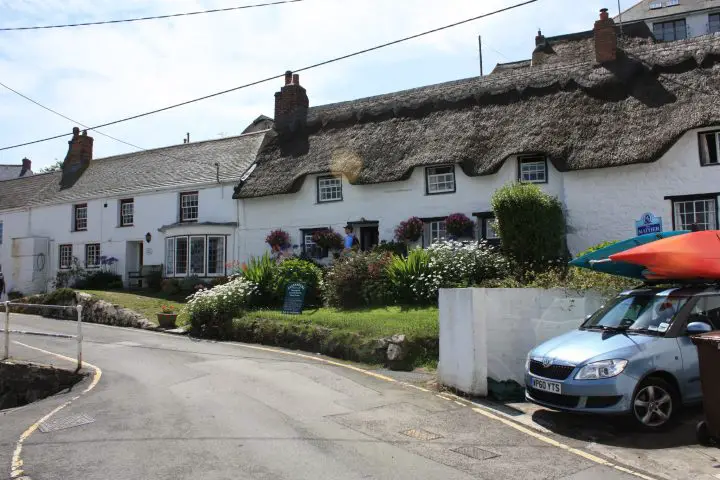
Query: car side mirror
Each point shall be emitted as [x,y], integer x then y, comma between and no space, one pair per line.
[696,328]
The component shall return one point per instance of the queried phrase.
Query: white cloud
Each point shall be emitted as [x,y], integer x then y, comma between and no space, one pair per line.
[97,74]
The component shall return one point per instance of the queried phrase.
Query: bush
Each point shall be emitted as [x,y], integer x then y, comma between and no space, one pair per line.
[410,230]
[191,284]
[278,239]
[396,248]
[459,225]
[412,280]
[100,280]
[261,271]
[328,239]
[211,311]
[530,223]
[170,286]
[296,270]
[154,280]
[14,295]
[461,265]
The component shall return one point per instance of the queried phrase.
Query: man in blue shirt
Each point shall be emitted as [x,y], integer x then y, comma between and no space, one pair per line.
[351,240]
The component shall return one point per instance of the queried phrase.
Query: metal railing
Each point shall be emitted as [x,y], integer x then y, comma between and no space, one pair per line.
[78,336]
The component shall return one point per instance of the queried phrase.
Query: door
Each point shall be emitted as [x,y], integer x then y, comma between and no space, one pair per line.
[707,310]
[369,237]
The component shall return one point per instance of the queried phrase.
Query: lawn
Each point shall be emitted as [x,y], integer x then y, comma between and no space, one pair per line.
[146,304]
[377,322]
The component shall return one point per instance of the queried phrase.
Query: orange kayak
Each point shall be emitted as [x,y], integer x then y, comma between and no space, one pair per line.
[694,255]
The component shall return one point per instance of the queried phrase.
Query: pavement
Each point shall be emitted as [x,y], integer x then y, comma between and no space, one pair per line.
[170,407]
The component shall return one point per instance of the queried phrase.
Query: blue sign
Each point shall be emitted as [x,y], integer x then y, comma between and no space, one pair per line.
[648,223]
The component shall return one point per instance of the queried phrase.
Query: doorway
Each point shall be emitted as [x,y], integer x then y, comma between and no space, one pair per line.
[134,259]
[369,236]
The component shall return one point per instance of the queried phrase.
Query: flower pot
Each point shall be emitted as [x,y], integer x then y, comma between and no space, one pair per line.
[167,320]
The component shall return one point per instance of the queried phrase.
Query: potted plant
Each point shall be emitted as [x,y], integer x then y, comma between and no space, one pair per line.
[328,239]
[459,225]
[410,230]
[168,317]
[278,240]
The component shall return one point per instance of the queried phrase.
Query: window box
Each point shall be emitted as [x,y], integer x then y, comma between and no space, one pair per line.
[92,255]
[440,179]
[195,255]
[127,212]
[709,148]
[329,189]
[80,218]
[65,257]
[695,212]
[532,169]
[189,206]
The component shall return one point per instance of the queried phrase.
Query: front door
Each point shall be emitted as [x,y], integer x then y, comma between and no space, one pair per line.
[369,237]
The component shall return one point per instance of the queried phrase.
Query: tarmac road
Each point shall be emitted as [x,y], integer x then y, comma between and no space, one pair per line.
[169,407]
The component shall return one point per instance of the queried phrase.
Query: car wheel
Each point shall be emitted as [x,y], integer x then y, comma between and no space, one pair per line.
[654,404]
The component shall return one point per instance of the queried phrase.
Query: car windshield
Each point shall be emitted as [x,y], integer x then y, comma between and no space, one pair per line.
[644,313]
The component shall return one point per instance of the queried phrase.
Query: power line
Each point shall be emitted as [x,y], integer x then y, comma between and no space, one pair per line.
[157,17]
[282,75]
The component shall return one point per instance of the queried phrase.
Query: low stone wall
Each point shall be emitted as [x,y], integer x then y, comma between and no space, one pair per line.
[22,383]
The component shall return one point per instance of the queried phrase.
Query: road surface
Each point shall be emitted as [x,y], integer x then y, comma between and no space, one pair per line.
[169,407]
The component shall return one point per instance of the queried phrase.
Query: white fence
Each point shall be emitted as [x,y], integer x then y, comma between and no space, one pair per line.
[488,332]
[8,331]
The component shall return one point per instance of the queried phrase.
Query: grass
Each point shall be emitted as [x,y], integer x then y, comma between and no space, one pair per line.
[146,304]
[376,322]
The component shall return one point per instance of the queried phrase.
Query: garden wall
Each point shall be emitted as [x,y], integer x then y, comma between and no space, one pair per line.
[486,333]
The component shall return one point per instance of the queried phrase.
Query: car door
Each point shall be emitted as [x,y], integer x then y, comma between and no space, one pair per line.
[706,309]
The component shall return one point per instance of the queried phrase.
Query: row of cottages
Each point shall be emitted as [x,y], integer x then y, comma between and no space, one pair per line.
[615,126]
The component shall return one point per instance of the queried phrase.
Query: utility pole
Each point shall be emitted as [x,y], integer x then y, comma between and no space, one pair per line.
[620,18]
[480,49]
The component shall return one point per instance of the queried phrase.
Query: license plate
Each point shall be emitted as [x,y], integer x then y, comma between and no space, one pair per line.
[545,386]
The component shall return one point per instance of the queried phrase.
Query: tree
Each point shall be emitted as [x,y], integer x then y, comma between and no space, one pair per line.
[58,165]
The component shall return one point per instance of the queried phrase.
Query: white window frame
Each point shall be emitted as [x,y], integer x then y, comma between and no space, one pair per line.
[171,256]
[203,251]
[65,256]
[529,170]
[78,218]
[329,189]
[189,205]
[88,248]
[709,209]
[127,212]
[433,232]
[704,153]
[221,248]
[438,183]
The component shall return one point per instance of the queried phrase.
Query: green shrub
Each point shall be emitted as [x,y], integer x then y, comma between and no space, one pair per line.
[358,280]
[211,311]
[191,284]
[396,248]
[261,271]
[412,280]
[14,295]
[461,265]
[100,280]
[296,270]
[170,286]
[154,280]
[530,223]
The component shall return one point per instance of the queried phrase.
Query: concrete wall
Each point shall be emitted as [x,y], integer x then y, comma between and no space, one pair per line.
[487,333]
[152,211]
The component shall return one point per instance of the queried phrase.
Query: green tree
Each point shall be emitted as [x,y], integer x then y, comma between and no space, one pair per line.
[52,168]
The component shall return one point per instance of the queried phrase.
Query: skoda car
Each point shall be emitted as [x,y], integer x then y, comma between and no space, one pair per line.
[634,356]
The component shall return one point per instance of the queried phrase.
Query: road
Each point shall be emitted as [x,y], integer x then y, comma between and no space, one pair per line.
[169,407]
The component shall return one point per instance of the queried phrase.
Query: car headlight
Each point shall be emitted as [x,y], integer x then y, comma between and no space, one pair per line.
[602,369]
[527,363]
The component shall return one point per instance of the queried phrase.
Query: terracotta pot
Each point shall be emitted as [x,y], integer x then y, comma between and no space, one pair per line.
[167,320]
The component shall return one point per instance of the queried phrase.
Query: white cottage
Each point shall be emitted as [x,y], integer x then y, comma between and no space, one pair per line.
[672,20]
[168,207]
[614,125]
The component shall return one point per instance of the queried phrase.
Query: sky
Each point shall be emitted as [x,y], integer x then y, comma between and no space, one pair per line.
[97,74]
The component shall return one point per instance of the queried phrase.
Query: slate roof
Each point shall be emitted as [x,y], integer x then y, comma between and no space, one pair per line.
[581,115]
[180,166]
[642,11]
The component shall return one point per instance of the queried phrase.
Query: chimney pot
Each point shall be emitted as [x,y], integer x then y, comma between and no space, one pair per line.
[604,14]
[540,39]
[76,131]
[291,105]
[80,152]
[605,38]
[288,77]
[296,79]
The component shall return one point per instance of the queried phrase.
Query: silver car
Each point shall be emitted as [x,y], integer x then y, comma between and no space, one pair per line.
[634,356]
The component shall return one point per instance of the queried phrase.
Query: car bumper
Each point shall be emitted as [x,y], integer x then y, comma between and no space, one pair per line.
[606,396]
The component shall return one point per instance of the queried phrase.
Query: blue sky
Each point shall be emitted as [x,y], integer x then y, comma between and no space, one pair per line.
[98,74]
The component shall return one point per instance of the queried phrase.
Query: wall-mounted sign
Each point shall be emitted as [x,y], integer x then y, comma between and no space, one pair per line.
[648,223]
[148,251]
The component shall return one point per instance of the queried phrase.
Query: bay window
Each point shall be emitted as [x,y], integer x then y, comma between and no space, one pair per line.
[195,255]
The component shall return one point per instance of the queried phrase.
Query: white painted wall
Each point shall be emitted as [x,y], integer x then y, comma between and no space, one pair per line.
[388,203]
[603,204]
[697,23]
[487,333]
[152,211]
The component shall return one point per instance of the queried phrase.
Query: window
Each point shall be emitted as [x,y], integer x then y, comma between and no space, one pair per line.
[707,310]
[92,255]
[80,217]
[670,31]
[127,212]
[65,256]
[1,233]
[710,148]
[691,212]
[440,179]
[195,255]
[435,231]
[329,189]
[532,169]
[714,23]
[310,248]
[189,207]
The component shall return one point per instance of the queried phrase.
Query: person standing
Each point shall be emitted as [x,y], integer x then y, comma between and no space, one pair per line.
[351,241]
[3,297]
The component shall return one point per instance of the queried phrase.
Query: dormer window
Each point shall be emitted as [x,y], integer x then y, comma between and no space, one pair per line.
[532,169]
[329,189]
[440,179]
[710,148]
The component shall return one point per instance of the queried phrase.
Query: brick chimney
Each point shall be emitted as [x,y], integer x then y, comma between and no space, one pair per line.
[540,39]
[80,152]
[291,105]
[26,167]
[605,38]
[542,50]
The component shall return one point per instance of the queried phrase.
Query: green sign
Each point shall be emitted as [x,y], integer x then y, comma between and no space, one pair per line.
[294,298]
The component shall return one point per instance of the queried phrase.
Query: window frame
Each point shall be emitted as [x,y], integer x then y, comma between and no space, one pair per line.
[182,217]
[483,219]
[172,263]
[67,266]
[123,203]
[76,208]
[318,188]
[666,22]
[427,230]
[2,232]
[710,22]
[223,239]
[308,232]
[190,272]
[690,198]
[88,246]
[533,158]
[428,175]
[701,136]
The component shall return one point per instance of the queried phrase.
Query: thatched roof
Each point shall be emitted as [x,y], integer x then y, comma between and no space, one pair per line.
[580,114]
